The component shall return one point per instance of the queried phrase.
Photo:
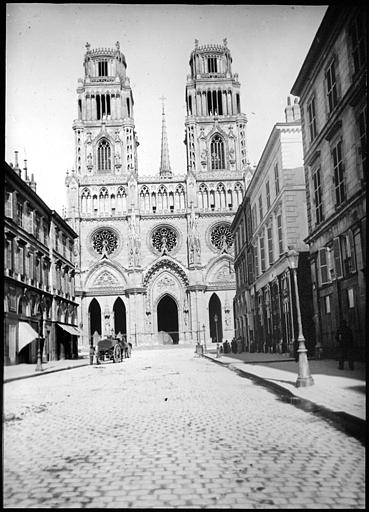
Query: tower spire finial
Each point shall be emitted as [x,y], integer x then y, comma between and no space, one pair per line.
[165,169]
[162,98]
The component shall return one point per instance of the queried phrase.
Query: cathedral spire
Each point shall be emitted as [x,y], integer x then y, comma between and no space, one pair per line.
[165,170]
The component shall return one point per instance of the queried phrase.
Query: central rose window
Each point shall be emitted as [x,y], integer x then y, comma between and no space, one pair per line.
[104,241]
[221,237]
[164,239]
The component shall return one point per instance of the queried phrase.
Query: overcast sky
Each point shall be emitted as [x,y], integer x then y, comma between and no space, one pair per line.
[45,46]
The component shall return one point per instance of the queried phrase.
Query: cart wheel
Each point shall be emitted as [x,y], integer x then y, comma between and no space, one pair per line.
[117,354]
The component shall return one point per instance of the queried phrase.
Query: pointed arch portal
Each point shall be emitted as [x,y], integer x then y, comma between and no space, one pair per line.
[168,317]
[120,323]
[94,313]
[215,313]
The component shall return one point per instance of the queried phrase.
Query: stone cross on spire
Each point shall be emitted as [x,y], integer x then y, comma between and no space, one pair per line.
[165,170]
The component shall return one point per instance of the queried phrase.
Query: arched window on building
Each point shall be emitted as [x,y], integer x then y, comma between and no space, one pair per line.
[121,203]
[239,193]
[103,200]
[204,198]
[144,199]
[181,197]
[221,196]
[103,156]
[86,201]
[217,152]
[162,198]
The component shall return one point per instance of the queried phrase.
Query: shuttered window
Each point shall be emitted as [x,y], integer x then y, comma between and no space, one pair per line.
[323,266]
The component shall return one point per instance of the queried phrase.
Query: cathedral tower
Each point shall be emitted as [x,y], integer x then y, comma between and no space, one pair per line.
[105,135]
[215,126]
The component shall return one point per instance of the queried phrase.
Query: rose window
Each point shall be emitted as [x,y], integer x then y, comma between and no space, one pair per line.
[104,241]
[164,239]
[221,237]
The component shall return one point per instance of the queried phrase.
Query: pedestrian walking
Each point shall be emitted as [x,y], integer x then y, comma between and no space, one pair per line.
[345,342]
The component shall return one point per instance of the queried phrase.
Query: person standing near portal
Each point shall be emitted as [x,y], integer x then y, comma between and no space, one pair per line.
[345,342]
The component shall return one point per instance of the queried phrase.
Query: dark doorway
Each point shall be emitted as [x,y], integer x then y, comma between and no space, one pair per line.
[215,319]
[120,325]
[168,317]
[94,313]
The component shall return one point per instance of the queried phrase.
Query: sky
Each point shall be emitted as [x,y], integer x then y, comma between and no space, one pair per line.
[45,47]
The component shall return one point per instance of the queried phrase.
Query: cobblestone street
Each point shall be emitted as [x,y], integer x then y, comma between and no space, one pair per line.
[169,429]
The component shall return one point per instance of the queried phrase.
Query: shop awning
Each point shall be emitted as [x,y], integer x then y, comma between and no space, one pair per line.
[26,334]
[71,329]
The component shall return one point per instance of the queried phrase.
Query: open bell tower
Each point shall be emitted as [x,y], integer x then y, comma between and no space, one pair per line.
[215,127]
[105,137]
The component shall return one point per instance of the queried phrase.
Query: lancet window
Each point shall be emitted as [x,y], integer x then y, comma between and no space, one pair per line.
[203,196]
[221,196]
[104,156]
[162,198]
[239,193]
[103,200]
[121,203]
[145,199]
[86,201]
[180,197]
[217,153]
[102,105]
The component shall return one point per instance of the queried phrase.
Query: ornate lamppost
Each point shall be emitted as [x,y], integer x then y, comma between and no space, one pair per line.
[40,337]
[203,328]
[304,378]
[216,327]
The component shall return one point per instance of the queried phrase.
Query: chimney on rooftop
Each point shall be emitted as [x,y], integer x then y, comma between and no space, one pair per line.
[288,111]
[32,183]
[16,166]
[296,110]
[25,172]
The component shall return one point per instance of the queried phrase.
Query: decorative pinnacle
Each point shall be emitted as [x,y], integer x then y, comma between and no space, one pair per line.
[162,98]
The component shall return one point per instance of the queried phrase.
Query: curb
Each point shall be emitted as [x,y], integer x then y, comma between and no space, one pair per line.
[44,372]
[348,423]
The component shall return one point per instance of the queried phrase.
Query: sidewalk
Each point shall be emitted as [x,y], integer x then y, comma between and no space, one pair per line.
[338,394]
[24,371]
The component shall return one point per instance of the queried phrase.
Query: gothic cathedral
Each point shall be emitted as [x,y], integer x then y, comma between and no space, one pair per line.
[154,258]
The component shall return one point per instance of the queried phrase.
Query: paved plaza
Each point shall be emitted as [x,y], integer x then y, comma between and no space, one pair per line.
[166,428]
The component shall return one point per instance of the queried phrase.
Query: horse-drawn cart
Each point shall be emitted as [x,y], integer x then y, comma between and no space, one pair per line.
[112,349]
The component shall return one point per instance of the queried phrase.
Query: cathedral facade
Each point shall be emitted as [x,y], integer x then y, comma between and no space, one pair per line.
[154,255]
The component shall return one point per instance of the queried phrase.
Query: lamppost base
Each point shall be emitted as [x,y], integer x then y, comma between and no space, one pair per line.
[39,368]
[303,382]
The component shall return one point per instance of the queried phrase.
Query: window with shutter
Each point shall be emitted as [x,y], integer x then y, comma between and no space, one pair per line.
[324,276]
[337,258]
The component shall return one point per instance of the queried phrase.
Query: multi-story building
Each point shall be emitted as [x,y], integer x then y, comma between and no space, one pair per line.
[38,275]
[333,99]
[270,223]
[155,253]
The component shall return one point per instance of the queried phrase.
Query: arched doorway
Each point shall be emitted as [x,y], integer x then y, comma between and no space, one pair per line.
[215,319]
[94,313]
[120,323]
[168,317]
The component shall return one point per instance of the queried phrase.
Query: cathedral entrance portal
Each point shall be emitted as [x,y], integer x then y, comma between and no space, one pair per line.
[215,319]
[168,318]
[94,313]
[120,325]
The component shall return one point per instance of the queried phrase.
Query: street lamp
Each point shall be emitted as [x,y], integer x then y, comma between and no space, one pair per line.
[39,359]
[304,378]
[203,328]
